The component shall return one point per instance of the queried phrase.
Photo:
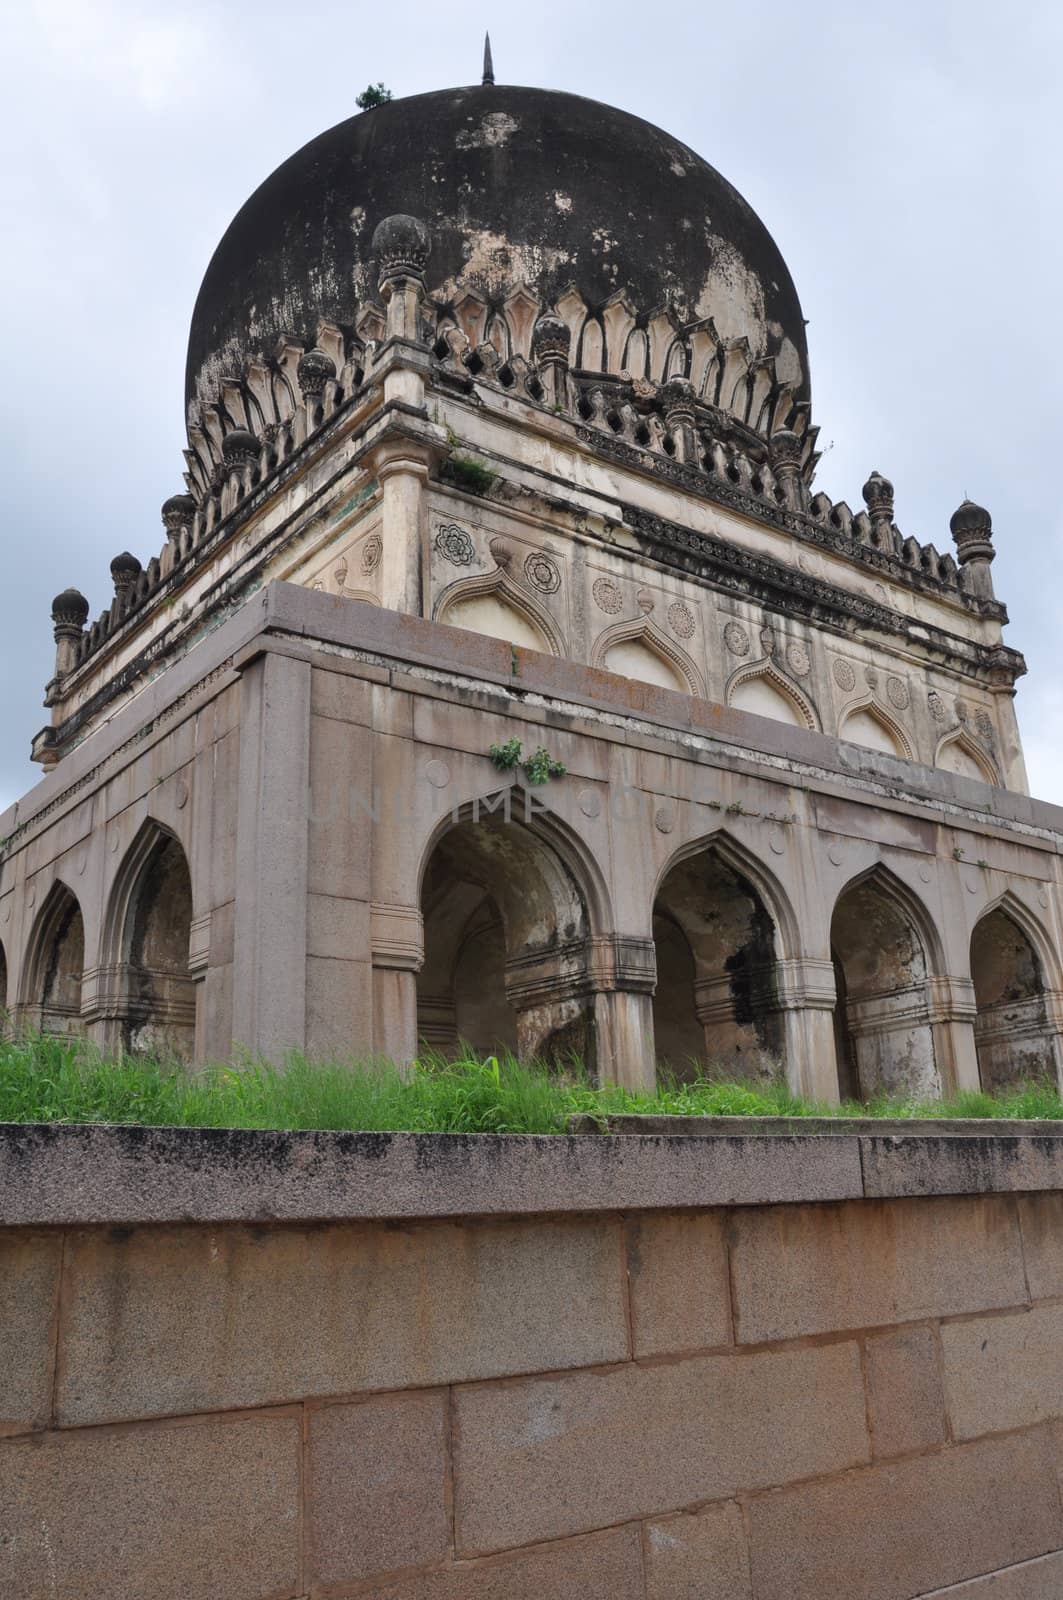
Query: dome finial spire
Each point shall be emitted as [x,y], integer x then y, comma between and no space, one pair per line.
[489,66]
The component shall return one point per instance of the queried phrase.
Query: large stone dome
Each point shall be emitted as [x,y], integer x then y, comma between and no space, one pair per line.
[518,187]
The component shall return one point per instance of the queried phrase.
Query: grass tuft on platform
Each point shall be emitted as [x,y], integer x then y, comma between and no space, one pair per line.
[54,1080]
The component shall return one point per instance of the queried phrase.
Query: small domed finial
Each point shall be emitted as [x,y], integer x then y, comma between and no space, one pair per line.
[177,512]
[315,369]
[70,611]
[972,528]
[402,245]
[240,448]
[125,570]
[489,66]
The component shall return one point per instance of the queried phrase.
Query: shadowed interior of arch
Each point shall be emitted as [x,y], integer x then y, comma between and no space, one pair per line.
[716,1004]
[4,1000]
[505,931]
[156,993]
[59,965]
[1013,1038]
[883,1038]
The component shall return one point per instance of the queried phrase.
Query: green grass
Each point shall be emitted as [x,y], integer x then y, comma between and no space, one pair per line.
[50,1080]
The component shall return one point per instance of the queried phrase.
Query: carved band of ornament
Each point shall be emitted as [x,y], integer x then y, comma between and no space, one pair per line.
[726,561]
[809,529]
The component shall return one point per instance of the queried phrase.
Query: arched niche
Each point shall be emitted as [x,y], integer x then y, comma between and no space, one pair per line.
[639,650]
[148,933]
[717,1003]
[57,964]
[959,754]
[883,1033]
[493,604]
[867,725]
[506,931]
[763,690]
[1013,1036]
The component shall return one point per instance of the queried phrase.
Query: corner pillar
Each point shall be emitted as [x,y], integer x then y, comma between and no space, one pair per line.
[397,939]
[272,854]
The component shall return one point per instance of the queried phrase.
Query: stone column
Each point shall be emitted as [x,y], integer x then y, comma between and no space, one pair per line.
[878,497]
[952,1008]
[402,468]
[397,940]
[623,970]
[807,996]
[677,400]
[70,612]
[550,342]
[272,848]
[971,527]
[785,449]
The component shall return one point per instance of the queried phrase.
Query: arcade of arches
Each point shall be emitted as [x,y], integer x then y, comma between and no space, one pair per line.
[509,966]
[145,994]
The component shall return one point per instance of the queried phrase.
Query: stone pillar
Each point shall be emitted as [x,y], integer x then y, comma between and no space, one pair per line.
[677,400]
[397,940]
[316,368]
[70,612]
[402,468]
[623,970]
[878,497]
[272,851]
[550,342]
[953,1009]
[402,245]
[785,449]
[972,529]
[807,996]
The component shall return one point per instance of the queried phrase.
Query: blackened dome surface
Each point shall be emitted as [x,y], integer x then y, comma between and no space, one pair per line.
[517,186]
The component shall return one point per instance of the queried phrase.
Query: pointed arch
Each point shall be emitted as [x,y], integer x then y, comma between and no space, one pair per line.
[886,952]
[893,740]
[148,989]
[746,678]
[969,759]
[52,992]
[643,631]
[721,926]
[509,914]
[1015,974]
[458,607]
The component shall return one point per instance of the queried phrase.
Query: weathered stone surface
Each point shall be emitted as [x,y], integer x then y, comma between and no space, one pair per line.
[1004,1372]
[906,1527]
[800,1269]
[677,1275]
[699,1556]
[29,1287]
[906,1402]
[898,1166]
[52,1174]
[554,1456]
[1040,1579]
[170,1512]
[274,1316]
[1041,1219]
[607,1566]
[377,1490]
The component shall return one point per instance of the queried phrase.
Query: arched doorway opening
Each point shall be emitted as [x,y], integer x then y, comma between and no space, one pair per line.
[1012,1033]
[883,1031]
[151,928]
[506,930]
[58,964]
[717,1006]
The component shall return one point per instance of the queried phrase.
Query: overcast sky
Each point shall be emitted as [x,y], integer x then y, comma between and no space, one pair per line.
[905,157]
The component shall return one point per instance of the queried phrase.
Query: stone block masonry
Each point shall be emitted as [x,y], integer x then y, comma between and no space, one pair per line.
[615,1378]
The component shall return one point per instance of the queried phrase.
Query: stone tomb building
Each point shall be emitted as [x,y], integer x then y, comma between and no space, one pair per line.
[499,433]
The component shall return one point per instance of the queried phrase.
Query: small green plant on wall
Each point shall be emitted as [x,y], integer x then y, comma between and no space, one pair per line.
[538,768]
[465,472]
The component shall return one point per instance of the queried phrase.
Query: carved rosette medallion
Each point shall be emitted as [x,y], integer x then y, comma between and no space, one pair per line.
[937,705]
[607,596]
[736,639]
[454,545]
[372,550]
[542,573]
[681,619]
[798,660]
[844,676]
[897,693]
